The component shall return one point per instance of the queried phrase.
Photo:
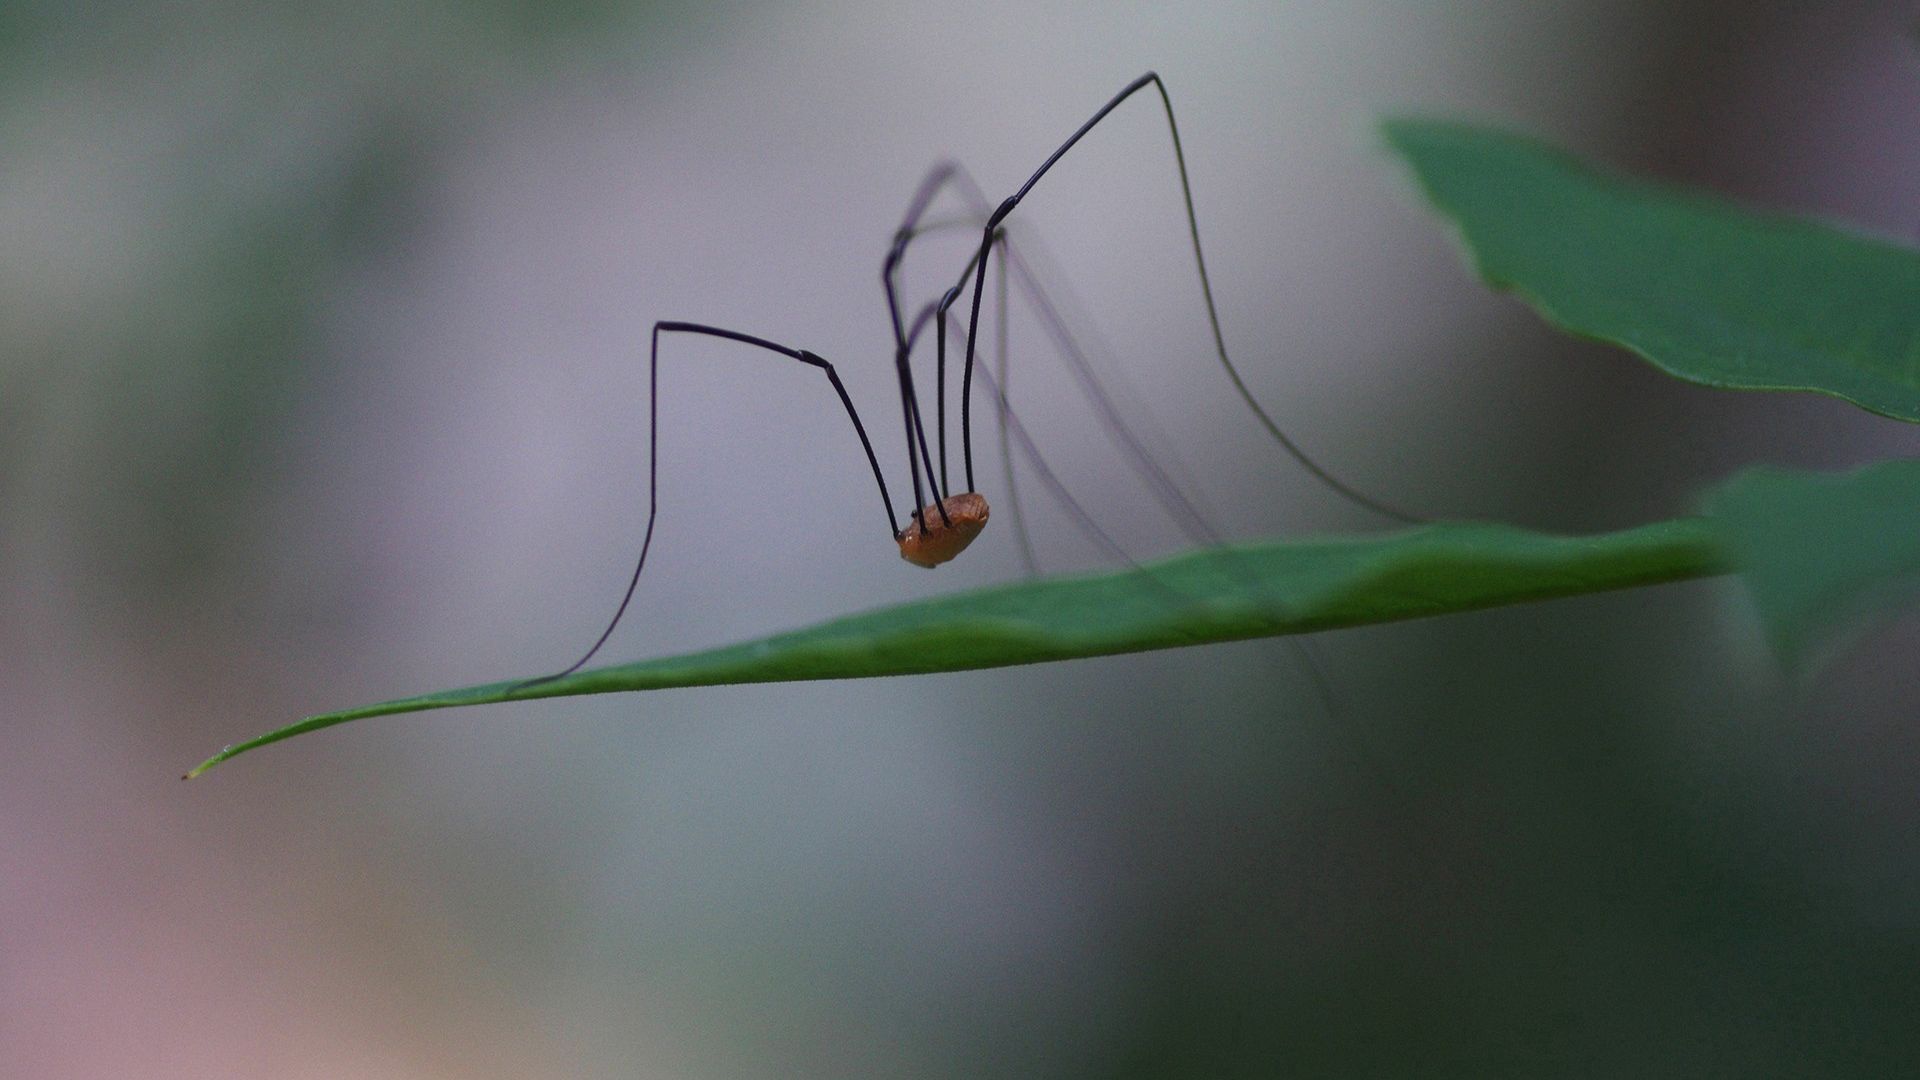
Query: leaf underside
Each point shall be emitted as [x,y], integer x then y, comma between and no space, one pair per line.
[1705,290]
[1200,597]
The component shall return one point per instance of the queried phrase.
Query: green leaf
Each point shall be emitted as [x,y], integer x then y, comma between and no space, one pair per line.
[1204,596]
[1819,551]
[1705,290]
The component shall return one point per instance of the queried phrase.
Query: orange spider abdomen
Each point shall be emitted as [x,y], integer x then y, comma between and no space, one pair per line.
[930,540]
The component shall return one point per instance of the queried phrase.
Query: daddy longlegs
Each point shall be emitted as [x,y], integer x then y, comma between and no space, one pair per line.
[940,528]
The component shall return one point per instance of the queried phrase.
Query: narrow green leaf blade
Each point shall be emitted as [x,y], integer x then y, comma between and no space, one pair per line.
[1703,289]
[1819,552]
[1203,596]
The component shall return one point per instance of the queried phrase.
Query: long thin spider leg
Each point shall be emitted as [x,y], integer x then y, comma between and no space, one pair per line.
[917,435]
[1049,295]
[1206,288]
[653,461]
[940,379]
[940,376]
[907,338]
[1090,527]
[916,427]
[1351,737]
[1171,497]
[1330,710]
[1192,522]
[1086,521]
[1001,350]
[954,174]
[930,186]
[938,177]
[962,181]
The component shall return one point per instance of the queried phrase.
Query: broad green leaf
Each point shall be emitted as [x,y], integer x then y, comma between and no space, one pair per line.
[1703,289]
[1204,596]
[1819,551]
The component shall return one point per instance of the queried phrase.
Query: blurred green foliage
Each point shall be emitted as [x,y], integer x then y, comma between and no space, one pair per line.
[1703,289]
[215,169]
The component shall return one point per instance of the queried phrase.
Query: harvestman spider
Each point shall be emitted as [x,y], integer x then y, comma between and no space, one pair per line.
[940,529]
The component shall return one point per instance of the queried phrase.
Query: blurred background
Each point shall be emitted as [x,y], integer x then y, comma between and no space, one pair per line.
[322,381]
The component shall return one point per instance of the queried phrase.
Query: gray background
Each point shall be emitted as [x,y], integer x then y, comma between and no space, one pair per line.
[322,381]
